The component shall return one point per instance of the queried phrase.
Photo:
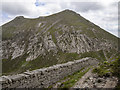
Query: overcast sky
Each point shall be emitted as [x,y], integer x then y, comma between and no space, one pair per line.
[103,13]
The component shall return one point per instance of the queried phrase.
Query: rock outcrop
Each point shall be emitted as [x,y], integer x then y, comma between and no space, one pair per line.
[26,40]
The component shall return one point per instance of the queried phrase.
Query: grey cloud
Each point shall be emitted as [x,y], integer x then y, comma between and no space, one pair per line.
[86,6]
[112,19]
[14,9]
[114,4]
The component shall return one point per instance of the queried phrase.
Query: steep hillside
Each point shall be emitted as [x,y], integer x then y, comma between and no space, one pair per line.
[34,43]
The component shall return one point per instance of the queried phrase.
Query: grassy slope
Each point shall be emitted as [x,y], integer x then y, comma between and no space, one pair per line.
[69,18]
[20,65]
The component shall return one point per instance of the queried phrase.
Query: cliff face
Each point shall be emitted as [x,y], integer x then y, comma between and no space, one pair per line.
[34,43]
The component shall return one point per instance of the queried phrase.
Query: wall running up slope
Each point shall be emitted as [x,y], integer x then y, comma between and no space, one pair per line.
[46,76]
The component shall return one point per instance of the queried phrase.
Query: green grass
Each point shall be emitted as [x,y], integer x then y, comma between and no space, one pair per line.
[65,57]
[98,55]
[109,67]
[12,66]
[53,37]
[102,71]
[20,64]
[73,78]
[60,32]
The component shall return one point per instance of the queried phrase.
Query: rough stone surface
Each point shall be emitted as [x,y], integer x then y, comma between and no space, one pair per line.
[46,76]
[90,80]
[36,43]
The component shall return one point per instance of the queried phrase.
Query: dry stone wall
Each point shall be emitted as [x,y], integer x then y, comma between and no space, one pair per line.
[46,76]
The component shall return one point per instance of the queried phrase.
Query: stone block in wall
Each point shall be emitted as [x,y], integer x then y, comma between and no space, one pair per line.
[3,80]
[14,84]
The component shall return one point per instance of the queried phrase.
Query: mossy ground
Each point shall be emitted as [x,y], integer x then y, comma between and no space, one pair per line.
[111,68]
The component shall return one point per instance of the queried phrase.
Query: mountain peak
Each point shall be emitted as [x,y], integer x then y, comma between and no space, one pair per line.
[69,11]
[19,17]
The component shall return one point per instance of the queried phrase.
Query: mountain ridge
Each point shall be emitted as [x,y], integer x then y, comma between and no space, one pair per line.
[31,43]
[64,11]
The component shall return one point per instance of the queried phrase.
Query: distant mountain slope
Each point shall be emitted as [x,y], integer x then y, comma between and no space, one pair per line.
[34,43]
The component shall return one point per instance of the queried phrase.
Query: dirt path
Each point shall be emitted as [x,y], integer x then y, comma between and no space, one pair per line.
[111,83]
[81,81]
[60,83]
[90,80]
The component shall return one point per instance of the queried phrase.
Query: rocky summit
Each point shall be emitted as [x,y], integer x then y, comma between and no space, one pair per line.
[29,44]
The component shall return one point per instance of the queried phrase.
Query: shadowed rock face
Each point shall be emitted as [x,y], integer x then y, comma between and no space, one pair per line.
[25,40]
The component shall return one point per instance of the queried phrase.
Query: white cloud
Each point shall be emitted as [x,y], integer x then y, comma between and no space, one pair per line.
[106,18]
